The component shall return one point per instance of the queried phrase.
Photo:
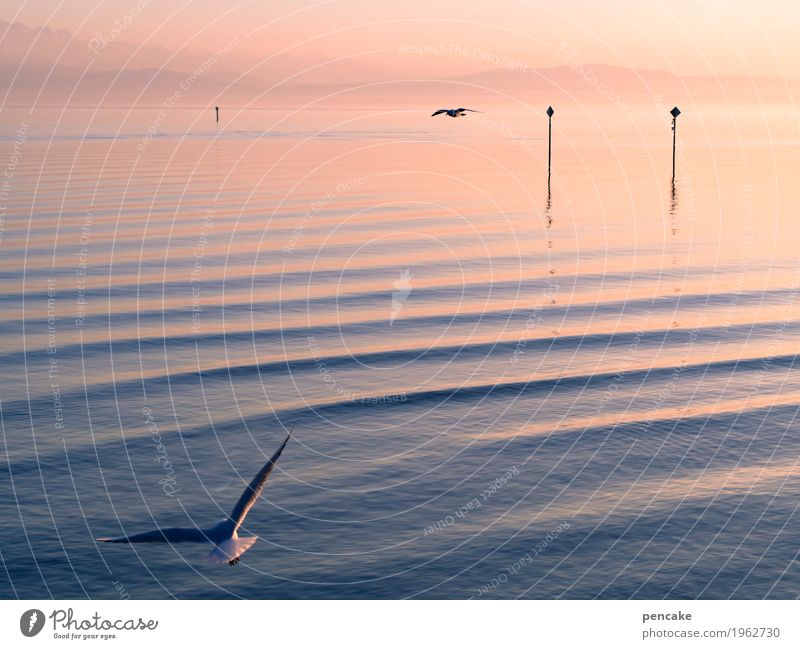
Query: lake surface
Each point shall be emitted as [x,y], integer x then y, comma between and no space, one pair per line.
[496,391]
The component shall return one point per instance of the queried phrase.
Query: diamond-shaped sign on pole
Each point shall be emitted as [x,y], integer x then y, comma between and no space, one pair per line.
[550,111]
[674,112]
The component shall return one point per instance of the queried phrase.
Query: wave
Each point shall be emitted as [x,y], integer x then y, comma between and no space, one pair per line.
[454,394]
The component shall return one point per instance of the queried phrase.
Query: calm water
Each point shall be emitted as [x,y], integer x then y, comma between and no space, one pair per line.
[495,393]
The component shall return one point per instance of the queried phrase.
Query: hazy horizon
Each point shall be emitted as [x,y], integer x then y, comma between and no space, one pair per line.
[122,53]
[682,37]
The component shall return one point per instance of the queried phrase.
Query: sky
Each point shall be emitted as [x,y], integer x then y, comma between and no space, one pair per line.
[705,37]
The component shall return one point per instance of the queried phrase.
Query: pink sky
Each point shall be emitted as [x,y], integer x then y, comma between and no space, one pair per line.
[455,37]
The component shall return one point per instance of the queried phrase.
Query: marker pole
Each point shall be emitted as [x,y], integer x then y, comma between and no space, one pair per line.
[550,112]
[674,112]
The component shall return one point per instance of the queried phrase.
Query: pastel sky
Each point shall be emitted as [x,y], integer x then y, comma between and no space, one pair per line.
[682,36]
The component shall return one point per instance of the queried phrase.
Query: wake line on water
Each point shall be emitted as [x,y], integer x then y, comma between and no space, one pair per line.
[696,425]
[248,335]
[286,278]
[458,394]
[589,309]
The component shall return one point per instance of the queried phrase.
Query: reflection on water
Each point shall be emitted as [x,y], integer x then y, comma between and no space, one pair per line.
[617,377]
[549,200]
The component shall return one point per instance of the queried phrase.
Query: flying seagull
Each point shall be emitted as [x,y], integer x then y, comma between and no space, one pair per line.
[228,546]
[455,112]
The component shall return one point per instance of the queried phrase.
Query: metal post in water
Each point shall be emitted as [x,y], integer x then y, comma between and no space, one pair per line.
[674,112]
[550,112]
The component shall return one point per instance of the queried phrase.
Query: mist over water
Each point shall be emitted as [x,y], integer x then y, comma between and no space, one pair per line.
[496,391]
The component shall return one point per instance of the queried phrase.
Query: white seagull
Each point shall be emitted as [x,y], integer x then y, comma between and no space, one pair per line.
[228,546]
[455,112]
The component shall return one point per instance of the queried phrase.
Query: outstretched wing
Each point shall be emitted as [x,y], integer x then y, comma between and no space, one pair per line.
[439,112]
[167,535]
[469,110]
[254,489]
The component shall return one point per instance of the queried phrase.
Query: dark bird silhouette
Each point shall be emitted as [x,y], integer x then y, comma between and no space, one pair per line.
[455,112]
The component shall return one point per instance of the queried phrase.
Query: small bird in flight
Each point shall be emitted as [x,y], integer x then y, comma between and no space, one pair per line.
[455,112]
[228,546]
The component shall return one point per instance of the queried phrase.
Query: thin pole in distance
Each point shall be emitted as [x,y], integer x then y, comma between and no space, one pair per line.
[674,112]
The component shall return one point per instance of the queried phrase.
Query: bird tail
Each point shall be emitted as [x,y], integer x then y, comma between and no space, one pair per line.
[231,550]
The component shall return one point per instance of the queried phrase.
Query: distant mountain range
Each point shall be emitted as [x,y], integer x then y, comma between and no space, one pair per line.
[51,67]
